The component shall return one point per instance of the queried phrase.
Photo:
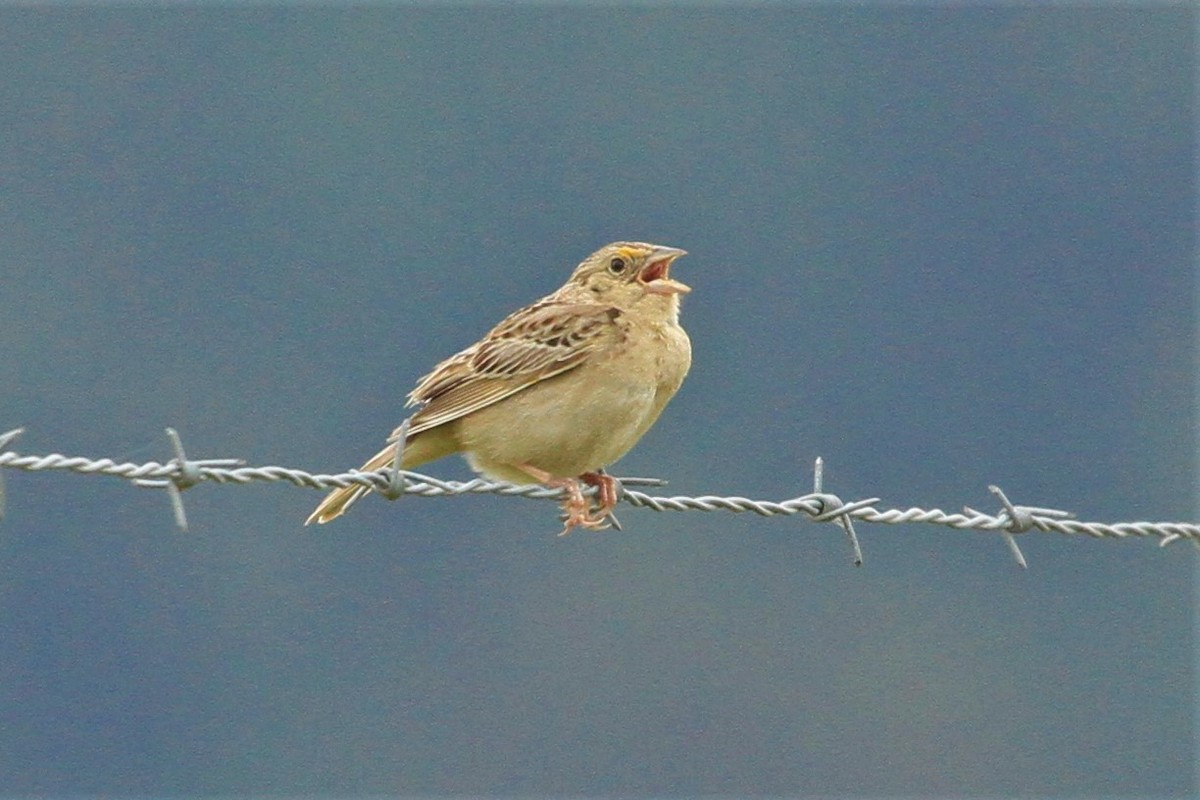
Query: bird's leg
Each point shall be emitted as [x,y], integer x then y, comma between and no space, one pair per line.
[575,506]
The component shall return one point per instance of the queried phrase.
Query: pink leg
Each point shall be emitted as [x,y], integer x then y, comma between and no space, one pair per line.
[575,505]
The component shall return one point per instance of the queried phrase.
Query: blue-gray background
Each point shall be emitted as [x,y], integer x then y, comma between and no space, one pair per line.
[941,248]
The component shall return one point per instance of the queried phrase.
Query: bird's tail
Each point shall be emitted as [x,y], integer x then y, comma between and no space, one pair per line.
[419,448]
[338,501]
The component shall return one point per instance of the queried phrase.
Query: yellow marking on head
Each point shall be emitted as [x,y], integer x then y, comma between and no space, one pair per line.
[633,253]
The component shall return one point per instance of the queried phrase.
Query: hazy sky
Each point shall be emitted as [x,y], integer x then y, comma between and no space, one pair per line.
[940,247]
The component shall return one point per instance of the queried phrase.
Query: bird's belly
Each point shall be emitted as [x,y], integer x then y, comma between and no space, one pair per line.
[565,426]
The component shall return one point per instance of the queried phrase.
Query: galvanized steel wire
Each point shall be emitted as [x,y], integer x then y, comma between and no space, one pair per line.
[181,473]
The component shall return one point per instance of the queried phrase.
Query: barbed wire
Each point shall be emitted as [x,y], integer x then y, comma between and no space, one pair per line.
[181,473]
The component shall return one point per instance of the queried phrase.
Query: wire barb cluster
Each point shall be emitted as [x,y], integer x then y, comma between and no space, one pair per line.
[181,473]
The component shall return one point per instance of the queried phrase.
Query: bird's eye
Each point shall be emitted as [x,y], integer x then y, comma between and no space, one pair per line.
[616,266]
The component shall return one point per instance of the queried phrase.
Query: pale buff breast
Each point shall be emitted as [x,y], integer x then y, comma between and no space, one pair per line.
[584,419]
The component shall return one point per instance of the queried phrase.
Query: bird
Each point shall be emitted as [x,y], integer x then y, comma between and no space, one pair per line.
[558,390]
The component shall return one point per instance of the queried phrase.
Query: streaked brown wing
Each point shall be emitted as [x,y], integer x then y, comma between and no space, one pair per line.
[531,345]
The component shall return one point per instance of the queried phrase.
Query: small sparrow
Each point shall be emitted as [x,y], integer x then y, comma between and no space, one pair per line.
[559,389]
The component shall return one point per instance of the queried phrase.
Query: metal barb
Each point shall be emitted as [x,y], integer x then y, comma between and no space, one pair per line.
[848,527]
[10,436]
[840,511]
[189,472]
[1015,549]
[640,482]
[395,485]
[5,438]
[187,476]
[1021,520]
[177,507]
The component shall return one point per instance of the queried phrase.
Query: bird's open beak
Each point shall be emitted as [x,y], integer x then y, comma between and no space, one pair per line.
[654,276]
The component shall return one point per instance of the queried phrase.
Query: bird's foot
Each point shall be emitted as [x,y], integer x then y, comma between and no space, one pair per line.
[609,494]
[576,507]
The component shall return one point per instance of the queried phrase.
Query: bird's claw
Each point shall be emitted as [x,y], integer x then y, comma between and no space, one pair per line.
[577,508]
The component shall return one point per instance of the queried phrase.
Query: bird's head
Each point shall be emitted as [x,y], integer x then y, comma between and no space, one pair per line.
[626,273]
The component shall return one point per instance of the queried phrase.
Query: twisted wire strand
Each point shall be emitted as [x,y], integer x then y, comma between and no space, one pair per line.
[181,473]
